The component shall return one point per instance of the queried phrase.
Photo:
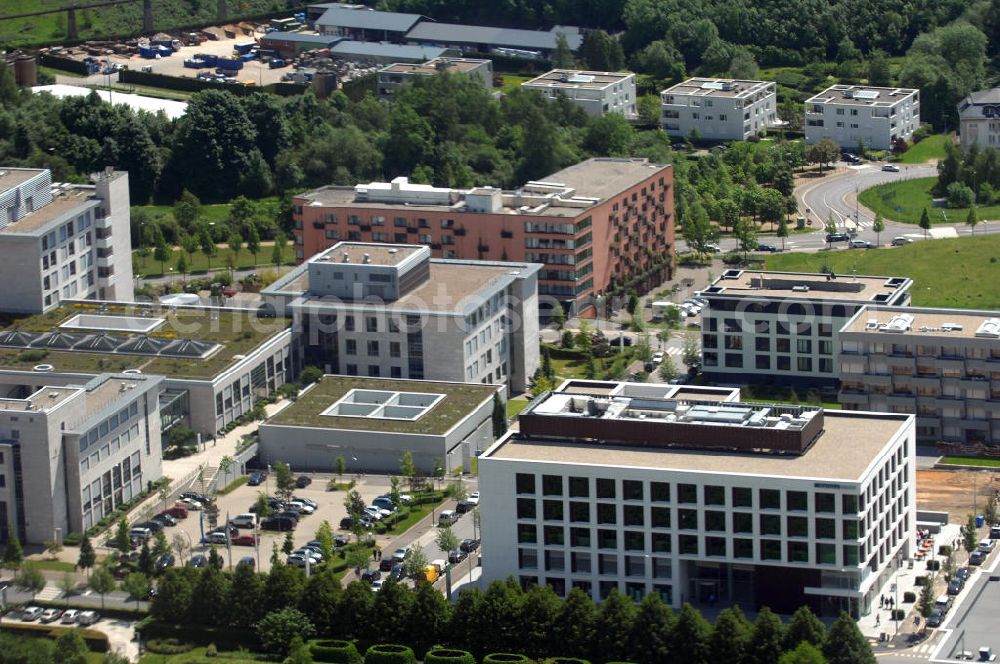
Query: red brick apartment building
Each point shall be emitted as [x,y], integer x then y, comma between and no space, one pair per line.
[599,226]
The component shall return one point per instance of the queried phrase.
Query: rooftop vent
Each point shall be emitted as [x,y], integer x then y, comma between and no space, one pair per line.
[367,259]
[952,327]
[347,257]
[872,324]
[989,329]
[899,323]
[800,289]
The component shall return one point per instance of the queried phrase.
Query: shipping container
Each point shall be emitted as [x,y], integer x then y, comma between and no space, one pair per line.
[207,58]
[230,65]
[193,63]
[245,48]
[247,57]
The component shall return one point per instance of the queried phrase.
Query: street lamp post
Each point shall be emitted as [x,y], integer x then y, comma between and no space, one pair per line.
[895,600]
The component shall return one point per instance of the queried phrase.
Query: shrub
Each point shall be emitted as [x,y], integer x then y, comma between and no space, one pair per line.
[445,656]
[933,565]
[505,658]
[168,646]
[909,597]
[922,580]
[339,652]
[388,653]
[960,195]
[898,614]
[73,539]
[211,651]
[945,550]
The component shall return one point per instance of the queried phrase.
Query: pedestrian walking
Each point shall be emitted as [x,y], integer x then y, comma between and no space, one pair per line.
[878,619]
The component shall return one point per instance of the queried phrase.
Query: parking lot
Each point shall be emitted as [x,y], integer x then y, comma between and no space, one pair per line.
[330,508]
[974,625]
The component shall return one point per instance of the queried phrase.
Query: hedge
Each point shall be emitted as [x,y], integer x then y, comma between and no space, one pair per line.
[566,660]
[201,636]
[338,652]
[390,653]
[909,597]
[505,658]
[447,656]
[170,646]
[96,641]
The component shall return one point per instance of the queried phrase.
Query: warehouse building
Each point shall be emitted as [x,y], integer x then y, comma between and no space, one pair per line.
[371,422]
[700,501]
[359,23]
[486,39]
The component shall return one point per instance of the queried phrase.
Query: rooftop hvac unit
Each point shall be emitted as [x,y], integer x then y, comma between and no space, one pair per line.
[952,327]
[872,324]
[800,289]
[989,329]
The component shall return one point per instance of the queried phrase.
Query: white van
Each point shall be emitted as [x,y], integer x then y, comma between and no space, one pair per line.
[248,520]
[986,545]
[140,533]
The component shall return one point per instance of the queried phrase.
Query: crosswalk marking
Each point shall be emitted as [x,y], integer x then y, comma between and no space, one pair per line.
[48,593]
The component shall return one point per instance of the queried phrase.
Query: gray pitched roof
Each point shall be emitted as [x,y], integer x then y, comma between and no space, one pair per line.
[399,52]
[451,33]
[324,40]
[981,104]
[368,19]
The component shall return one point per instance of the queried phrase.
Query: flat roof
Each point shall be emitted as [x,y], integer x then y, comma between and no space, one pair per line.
[454,33]
[173,109]
[450,285]
[581,386]
[66,202]
[12,177]
[362,49]
[237,332]
[574,78]
[431,67]
[605,177]
[806,286]
[369,19]
[305,37]
[717,87]
[848,443]
[861,95]
[458,402]
[367,253]
[889,322]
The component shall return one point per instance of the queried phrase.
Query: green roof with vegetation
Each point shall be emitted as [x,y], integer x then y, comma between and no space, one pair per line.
[238,332]
[460,399]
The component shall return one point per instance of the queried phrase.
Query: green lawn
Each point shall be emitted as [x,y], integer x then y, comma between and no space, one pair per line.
[148,267]
[905,200]
[959,272]
[512,82]
[210,213]
[515,406]
[972,461]
[931,147]
[53,565]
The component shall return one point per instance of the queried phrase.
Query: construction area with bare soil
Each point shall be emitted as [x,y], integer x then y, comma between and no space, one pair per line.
[957,492]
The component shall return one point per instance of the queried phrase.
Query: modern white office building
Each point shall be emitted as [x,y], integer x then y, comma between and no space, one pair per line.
[596,92]
[979,119]
[394,76]
[701,501]
[73,453]
[63,241]
[782,328]
[372,422]
[852,114]
[943,365]
[720,109]
[390,310]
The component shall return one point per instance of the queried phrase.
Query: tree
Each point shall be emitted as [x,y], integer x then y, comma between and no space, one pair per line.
[830,227]
[557,315]
[562,57]
[208,601]
[146,564]
[822,152]
[804,626]
[161,254]
[960,195]
[697,230]
[415,562]
[277,629]
[746,236]
[320,599]
[122,540]
[187,209]
[356,609]
[288,545]
[878,225]
[547,369]
[925,221]
[67,584]
[324,535]
[925,605]
[207,244]
[13,554]
[730,641]
[173,595]
[340,467]
[253,241]
[70,648]
[766,640]
[651,627]
[971,220]
[298,652]
[804,653]
[878,69]
[667,370]
[284,480]
[615,617]
[845,644]
[182,265]
[102,582]
[137,585]
[691,353]
[179,543]
[782,231]
[446,539]
[970,536]
[29,579]
[990,511]
[690,638]
[407,469]
[610,135]
[283,587]
[236,245]
[277,250]
[245,598]
[426,622]
[499,416]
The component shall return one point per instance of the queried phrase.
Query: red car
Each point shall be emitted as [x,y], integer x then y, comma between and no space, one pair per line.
[177,512]
[244,540]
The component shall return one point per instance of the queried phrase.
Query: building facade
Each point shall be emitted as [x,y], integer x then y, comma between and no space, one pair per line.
[719,109]
[697,501]
[596,92]
[394,76]
[782,327]
[599,225]
[979,119]
[942,365]
[383,310]
[374,421]
[62,241]
[854,114]
[71,454]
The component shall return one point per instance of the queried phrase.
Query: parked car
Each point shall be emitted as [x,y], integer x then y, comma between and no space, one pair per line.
[279,523]
[165,519]
[987,545]
[861,244]
[398,571]
[955,586]
[217,538]
[303,481]
[248,561]
[69,616]
[190,504]
[977,558]
[890,168]
[288,514]
[307,501]
[447,517]
[198,561]
[50,615]
[713,248]
[377,585]
[151,526]
[31,613]
[473,498]
[386,564]
[851,158]
[165,561]
[838,237]
[87,618]
[963,573]
[456,556]
[469,545]
[247,520]
[301,507]
[464,506]
[256,478]
[142,533]
[900,240]
[935,619]
[200,497]
[177,512]
[297,560]
[233,531]
[371,575]
[340,541]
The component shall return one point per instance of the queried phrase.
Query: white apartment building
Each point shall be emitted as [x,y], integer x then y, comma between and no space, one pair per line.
[71,454]
[389,310]
[943,365]
[979,119]
[63,241]
[701,501]
[394,76]
[782,328]
[850,114]
[720,109]
[596,92]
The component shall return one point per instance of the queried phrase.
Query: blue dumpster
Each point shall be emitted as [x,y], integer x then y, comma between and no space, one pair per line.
[980,520]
